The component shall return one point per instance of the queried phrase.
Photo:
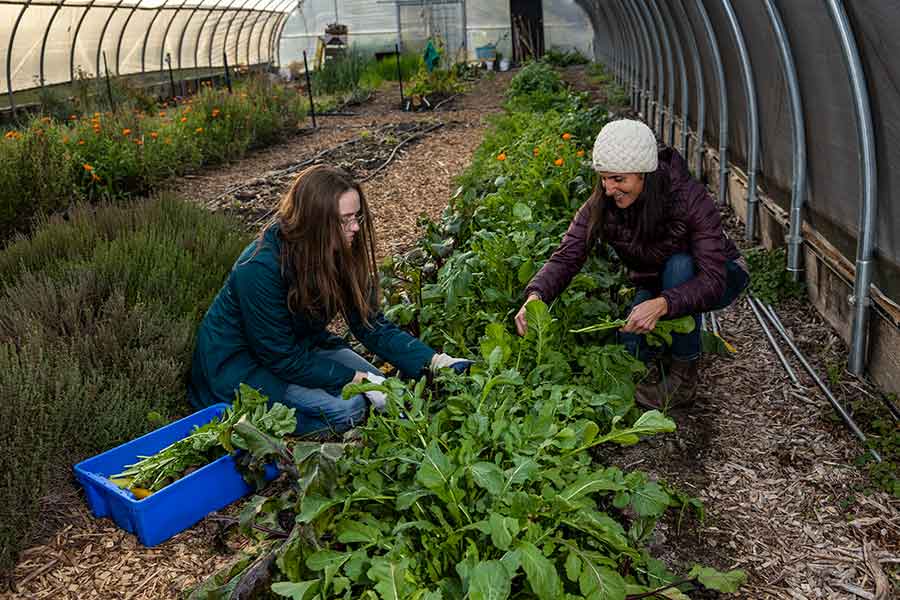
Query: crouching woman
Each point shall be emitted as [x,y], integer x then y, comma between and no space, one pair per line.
[666,229]
[313,262]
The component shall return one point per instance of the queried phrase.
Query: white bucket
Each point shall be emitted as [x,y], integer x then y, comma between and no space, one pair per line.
[504,64]
[489,65]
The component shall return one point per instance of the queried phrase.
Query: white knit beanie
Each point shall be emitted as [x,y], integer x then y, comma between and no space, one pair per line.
[625,146]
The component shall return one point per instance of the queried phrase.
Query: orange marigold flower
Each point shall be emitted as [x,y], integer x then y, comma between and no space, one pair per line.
[126,132]
[73,118]
[162,113]
[88,167]
[501,156]
[97,115]
[154,135]
[65,140]
[536,151]
[215,112]
[580,153]
[198,130]
[558,162]
[567,136]
[184,119]
[139,142]
[95,177]
[81,142]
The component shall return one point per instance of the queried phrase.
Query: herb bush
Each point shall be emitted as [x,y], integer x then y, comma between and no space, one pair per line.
[98,317]
[481,485]
[48,164]
[564,58]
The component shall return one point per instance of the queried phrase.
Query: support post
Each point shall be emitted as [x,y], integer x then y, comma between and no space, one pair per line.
[312,104]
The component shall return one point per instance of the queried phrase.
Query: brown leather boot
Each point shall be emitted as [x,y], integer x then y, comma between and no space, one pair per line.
[676,390]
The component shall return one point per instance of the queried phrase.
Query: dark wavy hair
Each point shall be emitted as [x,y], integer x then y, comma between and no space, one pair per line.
[326,276]
[652,204]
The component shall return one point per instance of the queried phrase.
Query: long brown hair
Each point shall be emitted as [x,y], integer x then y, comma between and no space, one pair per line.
[652,204]
[325,275]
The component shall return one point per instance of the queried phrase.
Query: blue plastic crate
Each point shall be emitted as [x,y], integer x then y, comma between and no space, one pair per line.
[177,506]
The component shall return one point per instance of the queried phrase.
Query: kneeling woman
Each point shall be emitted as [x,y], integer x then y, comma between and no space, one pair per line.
[666,229]
[267,326]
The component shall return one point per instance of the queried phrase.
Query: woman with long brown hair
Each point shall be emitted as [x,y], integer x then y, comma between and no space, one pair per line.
[267,326]
[666,229]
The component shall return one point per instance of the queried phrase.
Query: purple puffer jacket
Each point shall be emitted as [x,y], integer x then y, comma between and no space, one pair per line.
[695,227]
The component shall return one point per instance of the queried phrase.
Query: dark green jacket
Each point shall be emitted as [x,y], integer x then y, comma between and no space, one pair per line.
[250,336]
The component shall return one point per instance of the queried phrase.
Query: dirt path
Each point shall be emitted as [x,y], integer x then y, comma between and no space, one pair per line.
[81,557]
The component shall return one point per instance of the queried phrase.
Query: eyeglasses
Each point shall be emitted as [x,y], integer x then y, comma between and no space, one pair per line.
[347,222]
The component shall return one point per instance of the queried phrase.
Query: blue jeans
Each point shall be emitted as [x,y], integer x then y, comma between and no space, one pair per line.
[679,269]
[317,410]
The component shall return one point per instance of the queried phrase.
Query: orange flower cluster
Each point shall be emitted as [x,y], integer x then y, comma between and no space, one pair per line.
[126,132]
[12,135]
[536,151]
[567,136]
[580,153]
[558,162]
[198,130]
[154,135]
[216,112]
[88,167]
[501,156]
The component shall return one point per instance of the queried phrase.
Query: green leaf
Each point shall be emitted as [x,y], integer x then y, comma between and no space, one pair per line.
[521,212]
[296,591]
[260,444]
[712,579]
[489,580]
[434,472]
[650,500]
[662,333]
[353,531]
[408,498]
[600,583]
[542,575]
[503,530]
[526,270]
[496,337]
[313,506]
[589,484]
[390,578]
[488,476]
[318,561]
[573,566]
[524,469]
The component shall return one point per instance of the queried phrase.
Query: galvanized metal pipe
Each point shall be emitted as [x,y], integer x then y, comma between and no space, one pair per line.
[659,22]
[752,120]
[868,210]
[103,34]
[9,51]
[44,41]
[845,416]
[682,71]
[643,82]
[162,45]
[651,85]
[723,102]
[784,362]
[658,116]
[798,130]
[637,79]
[699,87]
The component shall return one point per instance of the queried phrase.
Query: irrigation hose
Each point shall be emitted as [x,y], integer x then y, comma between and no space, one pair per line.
[848,420]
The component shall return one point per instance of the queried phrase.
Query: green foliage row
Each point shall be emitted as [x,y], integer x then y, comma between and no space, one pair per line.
[564,58]
[48,164]
[98,317]
[481,485]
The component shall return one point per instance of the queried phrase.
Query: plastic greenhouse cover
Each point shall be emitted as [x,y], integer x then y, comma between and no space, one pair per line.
[48,42]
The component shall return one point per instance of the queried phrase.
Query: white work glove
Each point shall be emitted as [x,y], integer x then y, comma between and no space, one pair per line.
[378,399]
[445,361]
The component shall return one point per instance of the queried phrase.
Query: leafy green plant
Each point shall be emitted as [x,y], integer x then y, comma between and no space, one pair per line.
[564,58]
[769,280]
[208,442]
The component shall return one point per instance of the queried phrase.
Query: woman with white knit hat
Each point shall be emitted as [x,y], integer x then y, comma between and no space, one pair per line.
[666,229]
